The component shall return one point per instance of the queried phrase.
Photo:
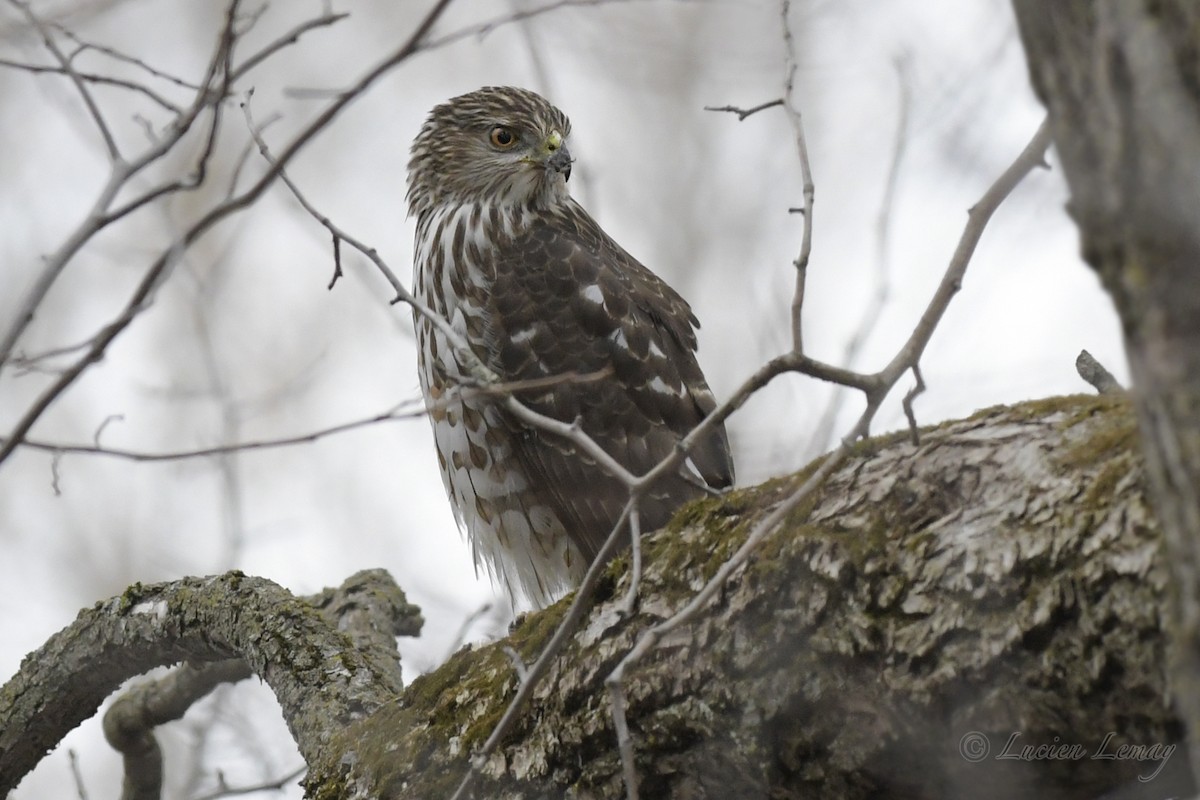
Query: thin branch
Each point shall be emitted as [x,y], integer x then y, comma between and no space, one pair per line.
[629,604]
[210,96]
[482,29]
[743,113]
[917,389]
[481,374]
[289,38]
[95,78]
[275,784]
[224,209]
[908,357]
[337,261]
[464,628]
[823,430]
[396,413]
[977,219]
[77,775]
[82,46]
[110,144]
[793,114]
[616,695]
[99,217]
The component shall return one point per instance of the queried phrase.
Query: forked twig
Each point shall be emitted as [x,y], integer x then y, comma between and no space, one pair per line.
[101,216]
[908,357]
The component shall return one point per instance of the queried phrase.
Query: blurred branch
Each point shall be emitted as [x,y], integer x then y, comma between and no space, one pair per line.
[98,218]
[83,46]
[743,113]
[880,385]
[396,413]
[287,39]
[482,29]
[92,77]
[276,784]
[823,431]
[130,721]
[77,775]
[110,144]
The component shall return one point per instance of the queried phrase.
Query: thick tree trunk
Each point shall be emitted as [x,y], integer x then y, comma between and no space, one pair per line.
[933,618]
[1121,80]
[941,609]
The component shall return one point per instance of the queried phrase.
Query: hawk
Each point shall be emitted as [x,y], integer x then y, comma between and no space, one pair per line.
[539,291]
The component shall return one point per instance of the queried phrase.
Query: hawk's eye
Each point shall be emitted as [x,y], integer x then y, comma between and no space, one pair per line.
[502,137]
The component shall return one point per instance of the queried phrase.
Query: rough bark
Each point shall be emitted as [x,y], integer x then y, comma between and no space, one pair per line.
[1121,80]
[1002,579]
[325,659]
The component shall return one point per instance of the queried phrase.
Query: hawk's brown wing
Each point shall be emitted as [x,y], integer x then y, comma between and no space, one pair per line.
[567,299]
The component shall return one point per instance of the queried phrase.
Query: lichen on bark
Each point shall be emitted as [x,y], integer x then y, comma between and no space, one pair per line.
[1004,577]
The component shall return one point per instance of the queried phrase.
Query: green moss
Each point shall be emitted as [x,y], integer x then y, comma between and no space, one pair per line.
[1119,435]
[471,673]
[1079,406]
[685,556]
[534,630]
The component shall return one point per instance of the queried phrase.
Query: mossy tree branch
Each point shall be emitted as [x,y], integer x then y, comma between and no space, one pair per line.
[322,677]
[1003,577]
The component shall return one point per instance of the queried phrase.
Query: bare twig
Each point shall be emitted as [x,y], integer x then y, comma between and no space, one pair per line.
[92,77]
[399,412]
[977,220]
[518,663]
[110,144]
[880,385]
[83,46]
[224,790]
[289,38]
[742,113]
[464,628]
[482,29]
[98,219]
[111,418]
[909,396]
[337,260]
[823,430]
[629,604]
[77,775]
[616,695]
[793,114]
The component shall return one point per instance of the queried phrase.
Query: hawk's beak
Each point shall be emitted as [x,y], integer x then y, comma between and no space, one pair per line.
[558,157]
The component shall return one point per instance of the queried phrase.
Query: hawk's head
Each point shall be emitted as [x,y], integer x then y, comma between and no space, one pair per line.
[498,144]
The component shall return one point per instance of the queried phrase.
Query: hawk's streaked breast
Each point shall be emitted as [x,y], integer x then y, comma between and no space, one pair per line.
[538,290]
